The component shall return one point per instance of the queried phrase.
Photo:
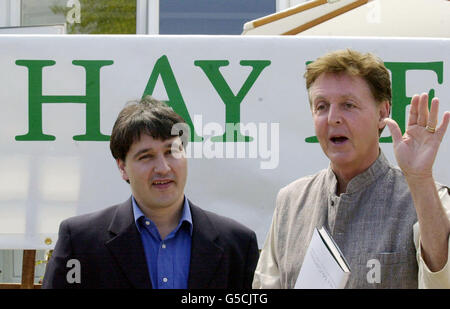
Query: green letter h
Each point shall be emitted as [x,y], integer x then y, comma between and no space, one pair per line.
[36,99]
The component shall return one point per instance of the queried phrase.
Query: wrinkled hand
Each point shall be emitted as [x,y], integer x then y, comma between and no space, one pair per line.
[416,150]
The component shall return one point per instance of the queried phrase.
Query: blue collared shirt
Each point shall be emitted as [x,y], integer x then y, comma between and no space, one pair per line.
[167,259]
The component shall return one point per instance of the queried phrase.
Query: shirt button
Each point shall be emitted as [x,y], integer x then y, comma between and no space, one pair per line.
[163,246]
[332,203]
[165,280]
[147,222]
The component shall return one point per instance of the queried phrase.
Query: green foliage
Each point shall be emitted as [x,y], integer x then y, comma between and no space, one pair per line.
[102,17]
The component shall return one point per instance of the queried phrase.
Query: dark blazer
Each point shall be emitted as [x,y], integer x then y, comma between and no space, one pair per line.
[108,246]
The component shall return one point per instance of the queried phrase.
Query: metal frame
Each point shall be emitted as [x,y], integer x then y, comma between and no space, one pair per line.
[147,16]
[10,13]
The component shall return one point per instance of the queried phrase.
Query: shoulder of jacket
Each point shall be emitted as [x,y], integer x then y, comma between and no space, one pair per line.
[100,219]
[301,183]
[224,224]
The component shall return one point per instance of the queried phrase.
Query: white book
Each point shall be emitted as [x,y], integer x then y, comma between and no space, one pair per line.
[324,266]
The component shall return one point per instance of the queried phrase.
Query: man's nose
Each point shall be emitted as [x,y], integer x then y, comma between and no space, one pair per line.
[162,166]
[334,115]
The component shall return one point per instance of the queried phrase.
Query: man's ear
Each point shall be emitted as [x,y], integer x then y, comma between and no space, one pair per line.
[384,110]
[123,172]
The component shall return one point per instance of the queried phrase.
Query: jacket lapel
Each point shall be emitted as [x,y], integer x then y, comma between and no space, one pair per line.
[206,253]
[126,246]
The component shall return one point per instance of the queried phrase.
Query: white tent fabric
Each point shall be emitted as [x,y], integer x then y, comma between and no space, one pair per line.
[305,13]
[385,18]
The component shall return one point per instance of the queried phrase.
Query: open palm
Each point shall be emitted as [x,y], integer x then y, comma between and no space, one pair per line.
[416,150]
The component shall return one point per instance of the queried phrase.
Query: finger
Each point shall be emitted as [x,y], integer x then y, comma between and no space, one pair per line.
[434,111]
[396,133]
[422,118]
[440,131]
[413,110]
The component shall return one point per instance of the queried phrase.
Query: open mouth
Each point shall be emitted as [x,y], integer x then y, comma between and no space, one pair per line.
[338,139]
[162,183]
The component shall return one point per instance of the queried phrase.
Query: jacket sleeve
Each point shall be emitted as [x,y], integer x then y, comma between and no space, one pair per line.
[252,260]
[57,270]
[428,279]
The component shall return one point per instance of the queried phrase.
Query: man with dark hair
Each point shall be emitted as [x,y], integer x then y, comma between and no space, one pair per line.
[396,218]
[157,238]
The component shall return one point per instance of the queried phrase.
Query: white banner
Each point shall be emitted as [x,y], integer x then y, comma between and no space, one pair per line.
[60,96]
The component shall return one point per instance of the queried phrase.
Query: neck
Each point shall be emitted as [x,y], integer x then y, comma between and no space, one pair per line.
[165,218]
[342,182]
[344,174]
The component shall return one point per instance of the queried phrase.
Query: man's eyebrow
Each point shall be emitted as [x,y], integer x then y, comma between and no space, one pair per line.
[343,96]
[167,145]
[144,150]
[319,98]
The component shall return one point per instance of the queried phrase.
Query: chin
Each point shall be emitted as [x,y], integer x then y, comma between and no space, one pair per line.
[340,159]
[168,201]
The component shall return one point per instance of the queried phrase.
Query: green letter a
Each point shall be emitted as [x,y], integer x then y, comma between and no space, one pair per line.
[162,68]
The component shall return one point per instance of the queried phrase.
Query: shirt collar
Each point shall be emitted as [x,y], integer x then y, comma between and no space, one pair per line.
[185,215]
[361,181]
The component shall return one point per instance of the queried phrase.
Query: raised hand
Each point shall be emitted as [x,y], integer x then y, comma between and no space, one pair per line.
[416,150]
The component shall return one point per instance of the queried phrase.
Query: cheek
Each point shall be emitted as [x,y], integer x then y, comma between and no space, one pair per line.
[140,172]
[179,165]
[320,126]
[182,168]
[365,131]
[321,130]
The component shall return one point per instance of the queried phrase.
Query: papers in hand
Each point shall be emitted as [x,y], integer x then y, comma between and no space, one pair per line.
[324,266]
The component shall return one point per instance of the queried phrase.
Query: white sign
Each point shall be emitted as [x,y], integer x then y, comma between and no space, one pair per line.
[60,96]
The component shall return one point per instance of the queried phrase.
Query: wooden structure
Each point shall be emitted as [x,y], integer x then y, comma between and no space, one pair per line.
[355,18]
[28,268]
[300,18]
